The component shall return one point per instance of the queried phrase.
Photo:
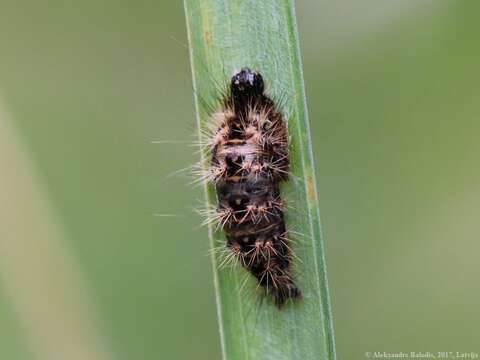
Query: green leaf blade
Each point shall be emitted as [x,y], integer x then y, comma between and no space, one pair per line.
[225,35]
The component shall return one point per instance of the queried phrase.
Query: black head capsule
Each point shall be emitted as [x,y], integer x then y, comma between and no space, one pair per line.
[246,86]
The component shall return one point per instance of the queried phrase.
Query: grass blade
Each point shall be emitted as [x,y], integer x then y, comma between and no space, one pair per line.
[225,35]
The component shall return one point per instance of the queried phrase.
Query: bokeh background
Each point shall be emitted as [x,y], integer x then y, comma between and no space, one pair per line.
[89,270]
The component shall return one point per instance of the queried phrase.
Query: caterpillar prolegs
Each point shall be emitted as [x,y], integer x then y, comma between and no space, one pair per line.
[249,160]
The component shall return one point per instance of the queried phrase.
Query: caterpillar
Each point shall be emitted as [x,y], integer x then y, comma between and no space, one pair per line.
[249,160]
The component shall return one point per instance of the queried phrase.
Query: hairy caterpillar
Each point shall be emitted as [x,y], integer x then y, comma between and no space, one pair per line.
[249,159]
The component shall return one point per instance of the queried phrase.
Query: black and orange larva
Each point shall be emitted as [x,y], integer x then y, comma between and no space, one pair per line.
[249,159]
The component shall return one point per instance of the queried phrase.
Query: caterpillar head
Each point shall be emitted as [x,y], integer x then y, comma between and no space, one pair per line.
[246,85]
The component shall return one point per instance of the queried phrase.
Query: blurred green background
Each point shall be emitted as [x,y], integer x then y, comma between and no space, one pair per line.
[89,271]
